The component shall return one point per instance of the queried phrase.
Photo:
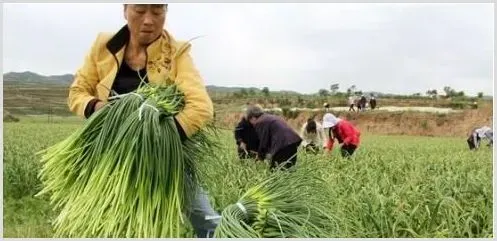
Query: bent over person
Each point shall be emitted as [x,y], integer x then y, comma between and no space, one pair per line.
[342,130]
[479,134]
[142,51]
[278,142]
[313,136]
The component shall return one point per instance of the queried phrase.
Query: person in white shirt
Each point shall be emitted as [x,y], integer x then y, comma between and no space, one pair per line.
[477,135]
[351,102]
[312,134]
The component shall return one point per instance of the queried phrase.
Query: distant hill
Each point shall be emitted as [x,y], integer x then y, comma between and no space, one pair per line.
[36,80]
[224,89]
[31,78]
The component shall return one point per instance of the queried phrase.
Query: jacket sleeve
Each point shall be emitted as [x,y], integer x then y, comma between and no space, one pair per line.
[82,91]
[198,110]
[238,132]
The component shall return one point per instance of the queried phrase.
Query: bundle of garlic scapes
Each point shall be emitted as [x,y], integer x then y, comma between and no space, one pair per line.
[126,173]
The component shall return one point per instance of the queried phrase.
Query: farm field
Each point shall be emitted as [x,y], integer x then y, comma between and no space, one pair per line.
[394,186]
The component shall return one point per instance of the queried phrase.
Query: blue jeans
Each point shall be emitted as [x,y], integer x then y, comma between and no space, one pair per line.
[203,217]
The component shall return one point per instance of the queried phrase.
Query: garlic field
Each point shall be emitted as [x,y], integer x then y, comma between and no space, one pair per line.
[394,186]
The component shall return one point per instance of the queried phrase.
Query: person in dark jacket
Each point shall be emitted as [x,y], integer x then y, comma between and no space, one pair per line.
[278,142]
[246,139]
[362,102]
[372,102]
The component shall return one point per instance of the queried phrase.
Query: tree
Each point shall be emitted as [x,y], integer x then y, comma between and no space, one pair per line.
[334,88]
[449,92]
[265,91]
[251,91]
[243,92]
[300,100]
[323,92]
[480,95]
[351,89]
[432,93]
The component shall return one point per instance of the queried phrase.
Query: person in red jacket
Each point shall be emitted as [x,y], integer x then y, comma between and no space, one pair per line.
[343,131]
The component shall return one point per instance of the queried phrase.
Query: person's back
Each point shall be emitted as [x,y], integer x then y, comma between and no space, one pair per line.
[278,141]
[281,133]
[347,132]
[483,131]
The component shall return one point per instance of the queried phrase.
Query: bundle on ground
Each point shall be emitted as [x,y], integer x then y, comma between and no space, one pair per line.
[286,205]
[126,173]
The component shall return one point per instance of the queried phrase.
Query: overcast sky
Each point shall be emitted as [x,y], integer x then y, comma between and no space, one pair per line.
[395,48]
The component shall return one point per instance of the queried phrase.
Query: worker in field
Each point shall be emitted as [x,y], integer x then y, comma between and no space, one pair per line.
[362,102]
[343,131]
[477,135]
[326,107]
[357,102]
[278,142]
[142,51]
[372,102]
[351,102]
[246,139]
[312,135]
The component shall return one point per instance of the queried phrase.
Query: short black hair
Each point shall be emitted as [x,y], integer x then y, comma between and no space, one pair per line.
[311,126]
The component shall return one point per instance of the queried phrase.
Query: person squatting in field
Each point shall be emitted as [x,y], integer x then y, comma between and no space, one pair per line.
[143,51]
[312,135]
[278,142]
[246,138]
[343,131]
[476,136]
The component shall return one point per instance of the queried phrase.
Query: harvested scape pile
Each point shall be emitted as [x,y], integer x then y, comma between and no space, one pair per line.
[286,205]
[126,173]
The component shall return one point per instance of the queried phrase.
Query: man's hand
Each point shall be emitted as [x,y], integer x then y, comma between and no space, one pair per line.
[269,157]
[243,145]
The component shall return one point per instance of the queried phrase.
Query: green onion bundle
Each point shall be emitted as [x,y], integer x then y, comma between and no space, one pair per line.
[126,173]
[286,205]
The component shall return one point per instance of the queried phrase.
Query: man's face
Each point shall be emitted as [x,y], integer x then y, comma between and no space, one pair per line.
[145,21]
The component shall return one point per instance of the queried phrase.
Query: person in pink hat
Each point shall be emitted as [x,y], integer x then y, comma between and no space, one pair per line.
[342,130]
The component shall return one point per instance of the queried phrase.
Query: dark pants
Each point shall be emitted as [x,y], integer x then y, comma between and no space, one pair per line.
[351,107]
[348,150]
[287,154]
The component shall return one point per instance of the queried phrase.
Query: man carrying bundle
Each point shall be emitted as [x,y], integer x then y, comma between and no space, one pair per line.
[278,141]
[143,52]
